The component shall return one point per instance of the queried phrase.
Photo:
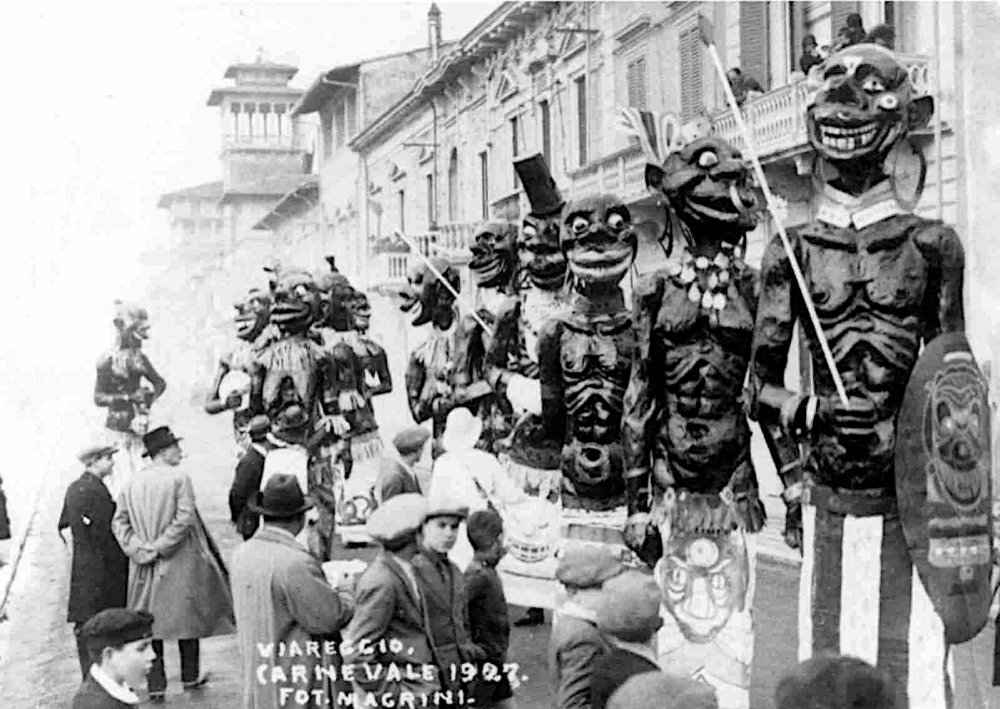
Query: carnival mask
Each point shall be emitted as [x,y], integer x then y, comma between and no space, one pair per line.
[598,239]
[539,253]
[339,293]
[361,311]
[864,105]
[132,322]
[706,183]
[428,298]
[704,581]
[252,315]
[493,256]
[296,302]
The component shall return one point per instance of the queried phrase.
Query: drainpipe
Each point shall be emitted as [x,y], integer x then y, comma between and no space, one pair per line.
[590,98]
[434,173]
[939,168]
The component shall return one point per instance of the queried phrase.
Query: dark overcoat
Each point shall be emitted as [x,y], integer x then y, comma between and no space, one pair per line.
[99,575]
[4,519]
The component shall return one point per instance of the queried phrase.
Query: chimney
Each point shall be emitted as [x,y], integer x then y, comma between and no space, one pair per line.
[434,32]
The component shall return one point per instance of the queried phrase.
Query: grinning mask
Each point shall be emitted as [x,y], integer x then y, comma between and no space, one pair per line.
[598,239]
[494,258]
[296,302]
[427,298]
[252,315]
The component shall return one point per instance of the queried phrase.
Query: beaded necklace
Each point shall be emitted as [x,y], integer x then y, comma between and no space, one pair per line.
[707,280]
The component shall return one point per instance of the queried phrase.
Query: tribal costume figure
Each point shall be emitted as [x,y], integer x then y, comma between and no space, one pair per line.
[119,388]
[685,430]
[235,369]
[377,377]
[429,373]
[585,354]
[883,281]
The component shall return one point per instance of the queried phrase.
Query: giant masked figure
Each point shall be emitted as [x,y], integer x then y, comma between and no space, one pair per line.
[231,387]
[685,430]
[585,354]
[429,387]
[119,387]
[892,502]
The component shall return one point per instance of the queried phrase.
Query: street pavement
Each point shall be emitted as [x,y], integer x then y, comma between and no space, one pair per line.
[38,666]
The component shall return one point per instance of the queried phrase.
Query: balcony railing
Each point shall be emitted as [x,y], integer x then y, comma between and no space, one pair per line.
[288,142]
[388,270]
[450,241]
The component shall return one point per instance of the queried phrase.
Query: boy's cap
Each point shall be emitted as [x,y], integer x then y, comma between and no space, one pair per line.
[838,681]
[411,439]
[630,609]
[117,626]
[587,566]
[445,507]
[397,517]
[657,689]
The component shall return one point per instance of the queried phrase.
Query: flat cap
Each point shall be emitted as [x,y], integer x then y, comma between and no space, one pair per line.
[411,439]
[630,609]
[657,689]
[259,426]
[445,507]
[586,566]
[117,626]
[397,517]
[94,451]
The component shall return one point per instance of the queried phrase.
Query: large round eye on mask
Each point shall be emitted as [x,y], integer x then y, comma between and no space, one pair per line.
[579,225]
[888,102]
[616,221]
[708,159]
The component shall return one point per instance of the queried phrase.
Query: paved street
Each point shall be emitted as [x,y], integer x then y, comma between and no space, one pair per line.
[39,668]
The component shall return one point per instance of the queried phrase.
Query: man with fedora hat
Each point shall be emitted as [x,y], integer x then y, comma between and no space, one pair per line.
[176,572]
[99,574]
[396,475]
[283,599]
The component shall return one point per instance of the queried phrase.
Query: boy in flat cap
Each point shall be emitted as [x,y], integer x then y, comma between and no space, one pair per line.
[389,606]
[120,643]
[444,590]
[248,476]
[396,474]
[99,574]
[576,642]
[629,617]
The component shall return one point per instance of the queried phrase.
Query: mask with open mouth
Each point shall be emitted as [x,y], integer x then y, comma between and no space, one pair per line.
[538,240]
[132,323]
[425,297]
[296,302]
[252,315]
[864,106]
[494,260]
[598,239]
[707,185]
[361,311]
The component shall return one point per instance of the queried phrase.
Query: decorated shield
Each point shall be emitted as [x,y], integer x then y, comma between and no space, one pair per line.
[943,483]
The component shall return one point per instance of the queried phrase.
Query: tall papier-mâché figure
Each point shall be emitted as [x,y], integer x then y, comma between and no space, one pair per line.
[119,387]
[377,377]
[231,388]
[686,435]
[585,354]
[893,496]
[429,388]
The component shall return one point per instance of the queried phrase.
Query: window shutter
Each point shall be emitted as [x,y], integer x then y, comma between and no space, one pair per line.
[753,42]
[594,147]
[838,16]
[692,98]
[581,120]
[636,77]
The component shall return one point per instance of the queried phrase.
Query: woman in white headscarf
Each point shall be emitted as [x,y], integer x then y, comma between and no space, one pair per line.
[471,476]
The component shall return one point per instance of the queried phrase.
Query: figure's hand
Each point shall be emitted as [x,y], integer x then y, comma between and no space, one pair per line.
[145,555]
[334,424]
[855,421]
[140,396]
[793,526]
[234,401]
[473,652]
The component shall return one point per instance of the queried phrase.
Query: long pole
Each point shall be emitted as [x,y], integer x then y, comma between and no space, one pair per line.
[705,30]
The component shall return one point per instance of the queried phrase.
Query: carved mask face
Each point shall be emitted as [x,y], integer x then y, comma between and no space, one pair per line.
[864,105]
[252,315]
[493,256]
[427,298]
[704,581]
[598,240]
[132,322]
[361,311]
[957,427]
[339,295]
[296,302]
[706,183]
[539,253]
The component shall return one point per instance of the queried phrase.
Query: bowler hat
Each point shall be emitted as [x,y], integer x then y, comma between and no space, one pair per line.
[630,609]
[543,194]
[159,439]
[411,439]
[282,497]
[587,566]
[94,451]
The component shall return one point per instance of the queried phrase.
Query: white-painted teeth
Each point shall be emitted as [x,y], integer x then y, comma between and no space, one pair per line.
[848,138]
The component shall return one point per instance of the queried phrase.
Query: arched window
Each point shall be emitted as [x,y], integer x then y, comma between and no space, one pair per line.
[453,186]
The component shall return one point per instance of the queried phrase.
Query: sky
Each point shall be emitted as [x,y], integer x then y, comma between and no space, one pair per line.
[106,110]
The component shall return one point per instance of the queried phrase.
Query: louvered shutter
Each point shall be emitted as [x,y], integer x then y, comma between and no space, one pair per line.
[838,16]
[753,42]
[636,75]
[692,96]
[594,108]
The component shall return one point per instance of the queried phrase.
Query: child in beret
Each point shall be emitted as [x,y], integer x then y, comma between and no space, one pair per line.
[120,644]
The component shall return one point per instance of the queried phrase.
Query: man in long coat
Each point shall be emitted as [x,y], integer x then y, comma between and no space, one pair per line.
[99,575]
[176,572]
[283,600]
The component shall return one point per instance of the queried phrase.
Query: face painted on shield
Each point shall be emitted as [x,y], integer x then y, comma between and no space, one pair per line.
[956,427]
[704,581]
[296,302]
[598,239]
[494,259]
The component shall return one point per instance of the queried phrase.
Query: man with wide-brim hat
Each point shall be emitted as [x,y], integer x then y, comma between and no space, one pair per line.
[99,572]
[391,606]
[278,584]
[170,552]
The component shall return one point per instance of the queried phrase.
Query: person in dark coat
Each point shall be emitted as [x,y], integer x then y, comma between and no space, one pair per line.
[99,575]
[121,643]
[396,475]
[629,617]
[247,479]
[810,54]
[4,526]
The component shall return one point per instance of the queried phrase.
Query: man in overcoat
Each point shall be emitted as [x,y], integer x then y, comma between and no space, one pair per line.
[396,475]
[99,575]
[247,478]
[175,571]
[390,617]
[283,599]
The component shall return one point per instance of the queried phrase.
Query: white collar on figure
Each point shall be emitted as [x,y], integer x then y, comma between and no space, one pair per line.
[121,692]
[842,210]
